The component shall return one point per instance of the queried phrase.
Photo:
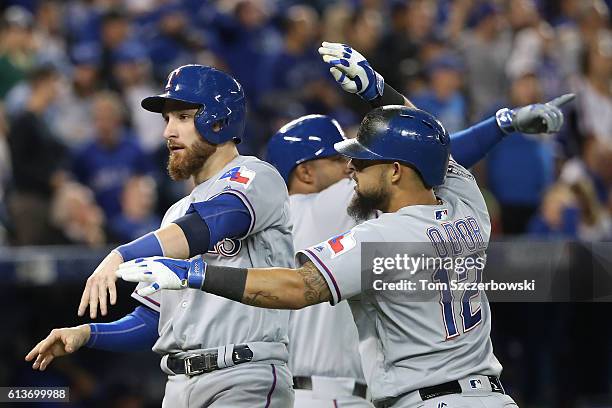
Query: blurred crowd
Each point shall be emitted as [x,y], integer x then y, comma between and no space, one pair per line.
[82,163]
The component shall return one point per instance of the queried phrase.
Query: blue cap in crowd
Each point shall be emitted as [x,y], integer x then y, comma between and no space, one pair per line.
[130,52]
[445,61]
[86,54]
[480,12]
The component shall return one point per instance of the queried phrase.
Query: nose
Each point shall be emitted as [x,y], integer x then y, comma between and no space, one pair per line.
[350,167]
[170,131]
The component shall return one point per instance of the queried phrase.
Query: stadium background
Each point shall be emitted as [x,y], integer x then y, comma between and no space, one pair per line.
[82,166]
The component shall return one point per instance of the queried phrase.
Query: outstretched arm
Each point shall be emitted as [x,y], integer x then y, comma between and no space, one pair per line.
[355,75]
[205,224]
[136,331]
[272,288]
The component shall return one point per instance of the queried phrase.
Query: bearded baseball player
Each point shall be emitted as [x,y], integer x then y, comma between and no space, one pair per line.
[399,160]
[319,189]
[217,353]
[400,163]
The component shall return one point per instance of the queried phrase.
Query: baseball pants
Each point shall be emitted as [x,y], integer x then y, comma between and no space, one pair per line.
[307,399]
[257,385]
[482,397]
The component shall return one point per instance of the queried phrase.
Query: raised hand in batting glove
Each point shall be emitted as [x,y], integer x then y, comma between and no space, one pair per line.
[163,273]
[352,71]
[536,118]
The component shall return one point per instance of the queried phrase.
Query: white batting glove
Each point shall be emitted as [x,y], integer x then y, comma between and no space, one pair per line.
[163,273]
[352,71]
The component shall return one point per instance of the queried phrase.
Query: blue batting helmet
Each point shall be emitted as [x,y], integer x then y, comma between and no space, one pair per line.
[307,138]
[220,97]
[406,135]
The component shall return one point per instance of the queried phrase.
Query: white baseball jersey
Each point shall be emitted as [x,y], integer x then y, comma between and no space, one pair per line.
[194,320]
[407,345]
[315,332]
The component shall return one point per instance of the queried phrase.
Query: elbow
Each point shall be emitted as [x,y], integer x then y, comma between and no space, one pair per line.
[295,298]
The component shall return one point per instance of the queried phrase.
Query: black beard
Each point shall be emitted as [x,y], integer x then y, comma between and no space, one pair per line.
[193,159]
[363,206]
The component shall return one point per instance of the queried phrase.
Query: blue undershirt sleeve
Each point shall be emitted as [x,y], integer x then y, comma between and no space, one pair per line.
[135,332]
[224,216]
[470,145]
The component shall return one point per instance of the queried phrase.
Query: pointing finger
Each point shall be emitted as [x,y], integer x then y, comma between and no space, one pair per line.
[562,100]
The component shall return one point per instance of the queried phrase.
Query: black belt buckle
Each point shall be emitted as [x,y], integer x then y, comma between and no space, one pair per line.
[200,363]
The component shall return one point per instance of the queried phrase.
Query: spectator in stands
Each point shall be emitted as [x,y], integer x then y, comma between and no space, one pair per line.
[594,94]
[287,76]
[591,167]
[534,48]
[443,97]
[520,168]
[16,47]
[132,71]
[595,220]
[138,201]
[485,47]
[115,30]
[397,52]
[559,215]
[113,155]
[173,41]
[49,34]
[72,117]
[38,161]
[242,37]
[77,217]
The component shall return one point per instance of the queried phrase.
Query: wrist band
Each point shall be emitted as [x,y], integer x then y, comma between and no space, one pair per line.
[196,273]
[504,118]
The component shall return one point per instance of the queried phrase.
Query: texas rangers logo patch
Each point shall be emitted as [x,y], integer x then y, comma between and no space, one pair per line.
[240,175]
[341,243]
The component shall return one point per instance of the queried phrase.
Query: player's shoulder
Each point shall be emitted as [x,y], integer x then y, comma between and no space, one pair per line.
[456,170]
[246,170]
[369,231]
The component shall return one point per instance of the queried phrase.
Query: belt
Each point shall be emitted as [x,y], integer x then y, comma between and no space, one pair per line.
[207,362]
[305,383]
[453,387]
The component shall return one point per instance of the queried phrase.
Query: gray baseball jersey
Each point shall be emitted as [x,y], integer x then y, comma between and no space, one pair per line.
[407,345]
[315,331]
[194,320]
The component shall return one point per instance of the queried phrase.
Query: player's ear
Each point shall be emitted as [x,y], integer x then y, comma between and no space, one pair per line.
[395,170]
[304,173]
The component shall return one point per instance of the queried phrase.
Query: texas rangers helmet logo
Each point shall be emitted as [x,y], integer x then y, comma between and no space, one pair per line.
[441,215]
[171,77]
[239,175]
[341,243]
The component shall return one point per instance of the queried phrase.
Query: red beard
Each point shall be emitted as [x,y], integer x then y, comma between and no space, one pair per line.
[187,162]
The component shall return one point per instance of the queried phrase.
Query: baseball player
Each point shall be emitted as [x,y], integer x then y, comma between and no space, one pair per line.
[414,354]
[217,353]
[319,192]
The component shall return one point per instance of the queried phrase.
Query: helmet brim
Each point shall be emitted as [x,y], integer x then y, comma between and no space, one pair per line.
[355,150]
[156,103]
